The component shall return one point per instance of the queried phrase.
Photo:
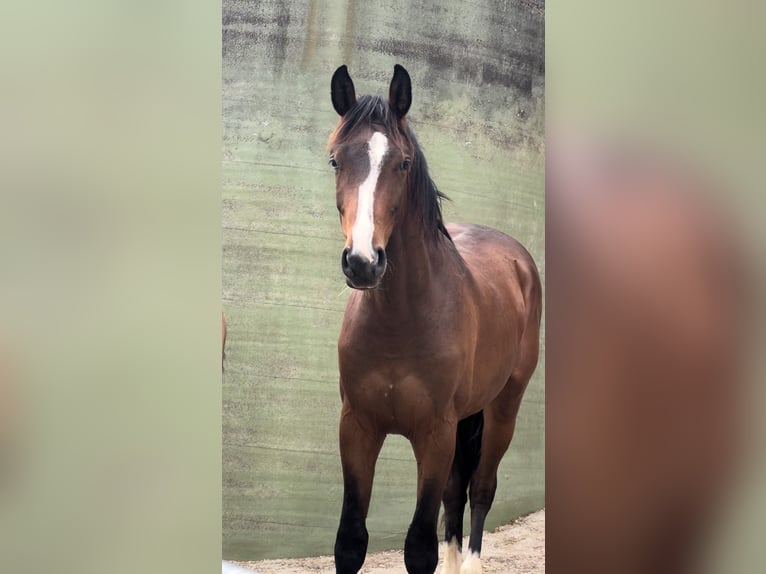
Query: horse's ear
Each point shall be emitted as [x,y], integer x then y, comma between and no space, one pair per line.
[400,92]
[342,91]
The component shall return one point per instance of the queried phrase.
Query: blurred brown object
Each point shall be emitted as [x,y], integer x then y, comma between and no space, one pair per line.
[646,308]
[223,338]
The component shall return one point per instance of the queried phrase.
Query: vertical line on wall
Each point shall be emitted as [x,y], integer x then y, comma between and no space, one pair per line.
[348,36]
[309,45]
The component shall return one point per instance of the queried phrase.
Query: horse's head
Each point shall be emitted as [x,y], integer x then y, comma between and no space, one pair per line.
[371,155]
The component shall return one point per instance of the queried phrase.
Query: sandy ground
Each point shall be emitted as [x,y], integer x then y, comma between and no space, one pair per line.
[517,548]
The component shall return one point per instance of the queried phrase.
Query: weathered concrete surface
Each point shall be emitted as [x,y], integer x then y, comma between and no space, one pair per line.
[478,78]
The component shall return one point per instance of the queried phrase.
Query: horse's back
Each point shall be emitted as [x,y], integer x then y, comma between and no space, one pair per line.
[472,236]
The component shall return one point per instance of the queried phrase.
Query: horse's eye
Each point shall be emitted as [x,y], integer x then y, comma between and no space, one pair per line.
[405,164]
[334,164]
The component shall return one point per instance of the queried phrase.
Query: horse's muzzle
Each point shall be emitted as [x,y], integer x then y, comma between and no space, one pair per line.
[360,272]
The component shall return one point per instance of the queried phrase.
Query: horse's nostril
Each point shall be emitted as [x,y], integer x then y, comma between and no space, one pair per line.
[380,261]
[344,259]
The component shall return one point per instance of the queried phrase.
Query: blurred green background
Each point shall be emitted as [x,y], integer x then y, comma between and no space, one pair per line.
[478,110]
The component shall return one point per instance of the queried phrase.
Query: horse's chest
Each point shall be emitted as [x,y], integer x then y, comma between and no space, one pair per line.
[400,383]
[395,402]
[405,355]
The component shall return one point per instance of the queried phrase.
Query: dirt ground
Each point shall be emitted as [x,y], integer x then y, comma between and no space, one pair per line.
[517,548]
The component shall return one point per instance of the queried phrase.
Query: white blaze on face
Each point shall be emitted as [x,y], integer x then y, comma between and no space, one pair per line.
[361,233]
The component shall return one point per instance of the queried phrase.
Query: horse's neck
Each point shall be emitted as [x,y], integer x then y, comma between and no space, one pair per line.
[415,263]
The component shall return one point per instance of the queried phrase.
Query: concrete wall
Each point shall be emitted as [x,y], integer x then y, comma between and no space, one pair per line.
[478,77]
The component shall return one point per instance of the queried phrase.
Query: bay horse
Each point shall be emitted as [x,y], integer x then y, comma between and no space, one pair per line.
[439,338]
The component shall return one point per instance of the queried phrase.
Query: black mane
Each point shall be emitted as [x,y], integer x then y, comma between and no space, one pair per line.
[425,197]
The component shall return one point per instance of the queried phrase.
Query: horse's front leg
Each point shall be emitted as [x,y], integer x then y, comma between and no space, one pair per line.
[359,448]
[434,450]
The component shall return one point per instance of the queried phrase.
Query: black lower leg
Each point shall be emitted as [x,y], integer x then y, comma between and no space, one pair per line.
[421,547]
[455,498]
[478,516]
[352,538]
[481,502]
[464,464]
[453,523]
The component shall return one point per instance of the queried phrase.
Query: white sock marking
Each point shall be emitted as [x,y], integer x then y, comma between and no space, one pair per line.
[451,564]
[364,226]
[472,564]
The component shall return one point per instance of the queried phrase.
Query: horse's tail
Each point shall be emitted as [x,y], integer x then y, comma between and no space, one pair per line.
[468,445]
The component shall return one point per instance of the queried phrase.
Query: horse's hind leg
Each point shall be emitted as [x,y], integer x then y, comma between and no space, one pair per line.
[454,499]
[359,448]
[467,445]
[499,424]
